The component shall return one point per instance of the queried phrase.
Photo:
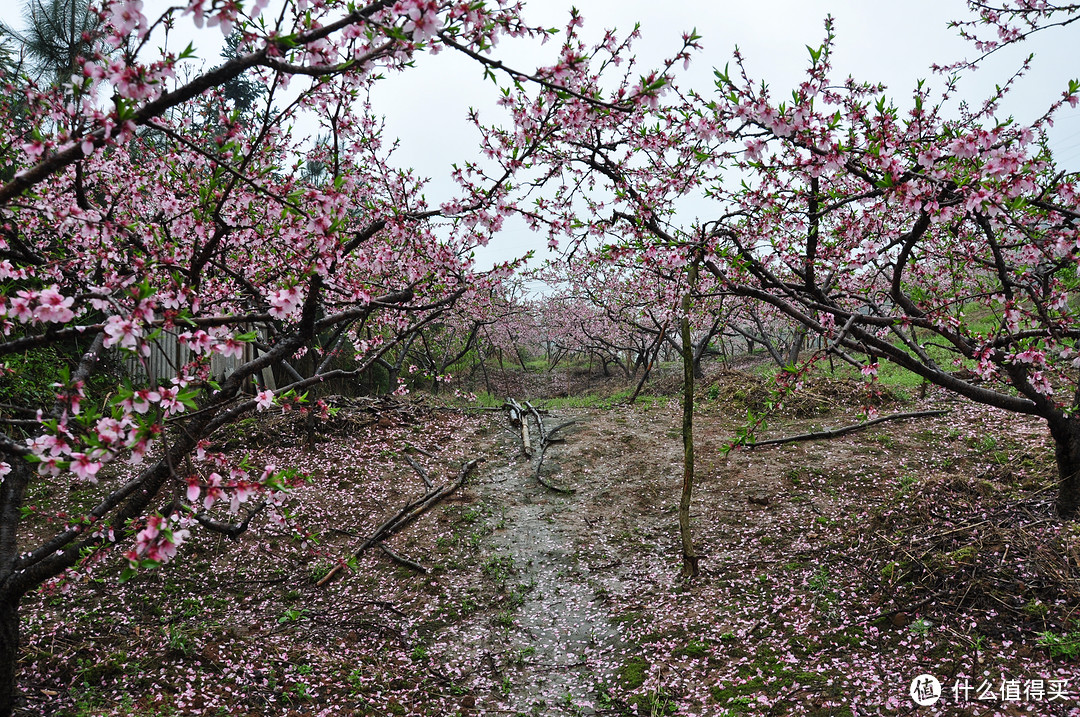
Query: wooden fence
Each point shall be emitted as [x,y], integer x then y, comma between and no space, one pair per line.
[167,355]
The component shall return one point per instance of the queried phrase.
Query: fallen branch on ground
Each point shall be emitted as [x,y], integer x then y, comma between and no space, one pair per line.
[419,470]
[401,559]
[406,515]
[418,449]
[519,418]
[539,422]
[835,432]
[548,439]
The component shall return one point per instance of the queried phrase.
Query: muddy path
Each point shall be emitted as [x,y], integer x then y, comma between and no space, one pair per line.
[601,622]
[557,646]
[557,637]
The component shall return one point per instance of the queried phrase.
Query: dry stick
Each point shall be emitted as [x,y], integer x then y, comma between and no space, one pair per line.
[539,422]
[526,443]
[401,559]
[517,414]
[420,471]
[418,449]
[406,515]
[833,433]
[549,438]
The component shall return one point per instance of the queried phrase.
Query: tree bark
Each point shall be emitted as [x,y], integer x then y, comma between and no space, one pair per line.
[9,653]
[690,557]
[1066,435]
[796,346]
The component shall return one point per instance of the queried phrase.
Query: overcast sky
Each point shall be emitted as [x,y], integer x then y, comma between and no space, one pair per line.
[890,42]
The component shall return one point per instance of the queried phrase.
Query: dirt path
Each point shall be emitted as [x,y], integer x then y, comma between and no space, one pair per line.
[558,648]
[557,638]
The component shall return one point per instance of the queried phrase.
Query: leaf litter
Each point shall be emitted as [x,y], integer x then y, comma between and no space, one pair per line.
[834,573]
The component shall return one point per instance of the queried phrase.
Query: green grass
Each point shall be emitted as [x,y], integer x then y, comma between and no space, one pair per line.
[1065,646]
[592,400]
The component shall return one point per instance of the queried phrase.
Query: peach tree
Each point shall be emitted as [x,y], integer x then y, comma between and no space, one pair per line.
[937,234]
[147,220]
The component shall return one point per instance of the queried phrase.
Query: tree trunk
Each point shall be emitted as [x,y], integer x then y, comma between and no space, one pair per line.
[690,557]
[1066,434]
[483,368]
[9,653]
[696,356]
[796,346]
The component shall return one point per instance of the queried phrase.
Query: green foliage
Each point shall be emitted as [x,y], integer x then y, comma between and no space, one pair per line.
[29,378]
[292,615]
[921,626]
[487,400]
[499,568]
[1066,646]
[595,400]
[58,34]
[820,580]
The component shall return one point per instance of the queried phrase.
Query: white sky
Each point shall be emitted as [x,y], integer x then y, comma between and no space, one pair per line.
[890,42]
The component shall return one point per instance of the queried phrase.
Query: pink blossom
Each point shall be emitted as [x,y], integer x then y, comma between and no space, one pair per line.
[127,16]
[193,488]
[264,400]
[232,347]
[1032,356]
[143,397]
[121,331]
[20,306]
[34,149]
[284,302]
[83,467]
[109,430]
[423,18]
[754,149]
[241,493]
[169,401]
[213,490]
[198,342]
[53,307]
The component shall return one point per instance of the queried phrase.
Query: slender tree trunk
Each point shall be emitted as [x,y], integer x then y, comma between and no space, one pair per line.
[1066,434]
[13,488]
[796,346]
[483,368]
[690,557]
[9,653]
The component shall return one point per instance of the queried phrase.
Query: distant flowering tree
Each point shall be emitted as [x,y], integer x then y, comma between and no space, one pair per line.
[129,228]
